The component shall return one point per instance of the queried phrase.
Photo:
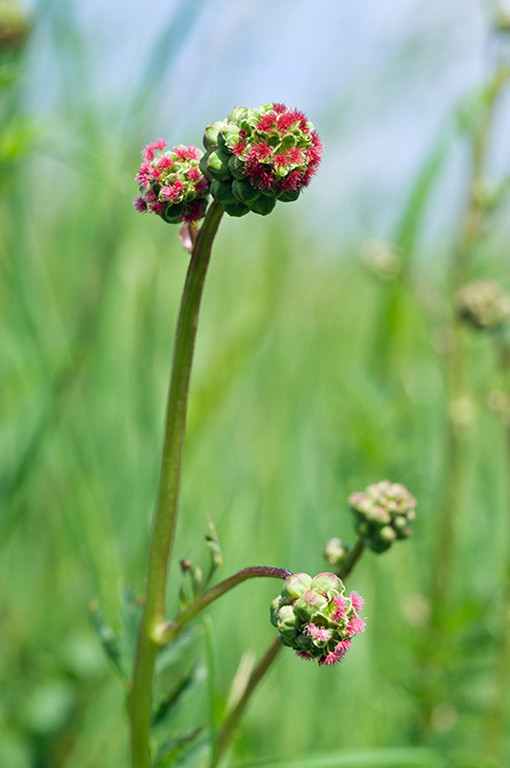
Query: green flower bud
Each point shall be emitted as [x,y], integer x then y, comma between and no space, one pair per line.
[325,582]
[287,622]
[263,205]
[222,191]
[211,134]
[295,586]
[335,551]
[309,604]
[244,192]
[217,165]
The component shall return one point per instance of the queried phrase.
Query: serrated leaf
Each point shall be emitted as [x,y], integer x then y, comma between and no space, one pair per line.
[166,705]
[173,653]
[187,750]
[109,641]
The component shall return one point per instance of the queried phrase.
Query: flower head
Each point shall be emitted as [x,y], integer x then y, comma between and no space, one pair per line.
[316,618]
[258,156]
[171,183]
[382,513]
[483,305]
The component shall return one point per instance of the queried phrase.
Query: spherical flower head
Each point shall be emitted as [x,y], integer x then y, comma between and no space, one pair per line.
[171,183]
[383,513]
[258,156]
[316,618]
[483,305]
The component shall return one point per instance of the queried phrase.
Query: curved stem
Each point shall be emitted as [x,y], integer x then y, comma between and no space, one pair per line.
[171,629]
[165,516]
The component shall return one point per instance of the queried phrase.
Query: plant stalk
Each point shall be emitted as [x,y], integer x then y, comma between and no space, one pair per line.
[163,529]
[171,629]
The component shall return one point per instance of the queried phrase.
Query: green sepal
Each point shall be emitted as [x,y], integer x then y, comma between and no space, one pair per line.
[244,192]
[236,168]
[217,165]
[263,205]
[173,213]
[203,166]
[294,586]
[288,197]
[237,209]
[228,137]
[236,114]
[222,192]
[211,135]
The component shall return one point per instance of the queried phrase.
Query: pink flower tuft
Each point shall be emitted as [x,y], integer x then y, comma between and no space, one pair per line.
[342,647]
[194,174]
[281,159]
[157,207]
[195,211]
[165,163]
[279,107]
[188,152]
[261,151]
[239,147]
[356,626]
[172,191]
[304,655]
[148,151]
[267,122]
[357,601]
[321,634]
[140,204]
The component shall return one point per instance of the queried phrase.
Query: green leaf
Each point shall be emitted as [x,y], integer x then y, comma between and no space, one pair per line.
[188,750]
[380,758]
[109,642]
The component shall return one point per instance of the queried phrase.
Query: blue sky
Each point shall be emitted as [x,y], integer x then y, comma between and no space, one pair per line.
[377,77]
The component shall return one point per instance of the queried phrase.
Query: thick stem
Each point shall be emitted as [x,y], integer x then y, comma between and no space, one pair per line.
[171,629]
[263,666]
[165,515]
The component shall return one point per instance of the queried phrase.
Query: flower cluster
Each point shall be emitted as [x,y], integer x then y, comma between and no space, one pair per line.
[171,183]
[316,618]
[383,513]
[483,305]
[258,156]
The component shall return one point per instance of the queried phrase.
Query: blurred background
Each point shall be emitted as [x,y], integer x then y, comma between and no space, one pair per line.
[319,368]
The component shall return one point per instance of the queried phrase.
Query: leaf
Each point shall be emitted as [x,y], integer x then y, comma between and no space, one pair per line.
[174,652]
[213,544]
[186,751]
[166,705]
[380,758]
[109,641]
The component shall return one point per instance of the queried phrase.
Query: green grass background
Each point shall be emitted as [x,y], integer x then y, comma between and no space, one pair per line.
[312,378]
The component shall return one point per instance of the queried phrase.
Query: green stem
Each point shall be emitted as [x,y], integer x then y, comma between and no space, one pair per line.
[351,559]
[264,665]
[235,714]
[165,516]
[171,629]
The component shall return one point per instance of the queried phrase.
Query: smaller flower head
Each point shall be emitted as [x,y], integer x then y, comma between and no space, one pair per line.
[483,305]
[171,183]
[383,513]
[316,618]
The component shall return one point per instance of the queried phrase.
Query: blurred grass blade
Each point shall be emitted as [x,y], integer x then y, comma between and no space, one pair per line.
[379,758]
